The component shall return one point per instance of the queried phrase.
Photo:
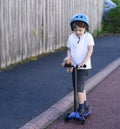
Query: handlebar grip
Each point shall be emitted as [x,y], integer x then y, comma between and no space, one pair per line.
[68,65]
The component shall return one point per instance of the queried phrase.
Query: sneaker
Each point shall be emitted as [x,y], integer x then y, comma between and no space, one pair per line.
[81,113]
[87,111]
[87,108]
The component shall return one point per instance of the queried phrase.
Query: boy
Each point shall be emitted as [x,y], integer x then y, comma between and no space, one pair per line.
[80,48]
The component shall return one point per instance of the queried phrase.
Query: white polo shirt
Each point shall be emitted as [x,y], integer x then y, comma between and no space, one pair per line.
[79,48]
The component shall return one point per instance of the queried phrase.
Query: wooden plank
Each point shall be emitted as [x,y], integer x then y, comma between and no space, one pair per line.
[10,31]
[44,28]
[40,27]
[47,25]
[5,20]
[1,26]
[24,28]
[13,31]
[18,41]
[33,27]
[28,27]
[2,33]
[35,31]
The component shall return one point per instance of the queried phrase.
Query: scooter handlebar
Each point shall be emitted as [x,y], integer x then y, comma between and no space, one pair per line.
[69,65]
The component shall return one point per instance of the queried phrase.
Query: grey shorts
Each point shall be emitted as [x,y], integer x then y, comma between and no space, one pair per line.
[81,76]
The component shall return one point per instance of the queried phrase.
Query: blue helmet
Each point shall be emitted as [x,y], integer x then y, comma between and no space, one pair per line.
[79,17]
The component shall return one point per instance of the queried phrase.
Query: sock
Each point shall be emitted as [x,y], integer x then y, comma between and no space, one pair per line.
[81,107]
[85,104]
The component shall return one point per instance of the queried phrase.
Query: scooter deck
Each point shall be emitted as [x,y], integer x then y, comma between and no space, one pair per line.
[76,116]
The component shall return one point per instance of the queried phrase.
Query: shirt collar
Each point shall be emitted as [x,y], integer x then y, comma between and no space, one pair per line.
[82,36]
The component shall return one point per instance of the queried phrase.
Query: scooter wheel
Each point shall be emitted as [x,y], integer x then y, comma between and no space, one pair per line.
[66,119]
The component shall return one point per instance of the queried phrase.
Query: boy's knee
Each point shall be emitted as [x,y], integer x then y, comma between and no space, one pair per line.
[81,90]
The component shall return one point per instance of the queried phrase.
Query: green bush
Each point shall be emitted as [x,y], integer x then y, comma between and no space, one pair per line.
[112,24]
[117,2]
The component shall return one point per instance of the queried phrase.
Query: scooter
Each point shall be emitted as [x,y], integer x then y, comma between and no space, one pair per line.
[75,114]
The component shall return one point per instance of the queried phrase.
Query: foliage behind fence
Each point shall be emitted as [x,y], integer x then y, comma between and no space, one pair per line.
[32,27]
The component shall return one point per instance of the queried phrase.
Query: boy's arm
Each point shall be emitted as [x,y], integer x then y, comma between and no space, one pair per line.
[68,52]
[88,55]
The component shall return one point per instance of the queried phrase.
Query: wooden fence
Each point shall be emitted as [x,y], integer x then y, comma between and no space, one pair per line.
[30,27]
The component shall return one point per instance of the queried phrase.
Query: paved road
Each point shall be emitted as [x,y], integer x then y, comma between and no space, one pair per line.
[29,89]
[104,100]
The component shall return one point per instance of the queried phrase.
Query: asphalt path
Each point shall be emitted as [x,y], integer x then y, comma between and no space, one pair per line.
[29,89]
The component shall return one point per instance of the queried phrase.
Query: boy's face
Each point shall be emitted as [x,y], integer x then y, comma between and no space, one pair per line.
[79,31]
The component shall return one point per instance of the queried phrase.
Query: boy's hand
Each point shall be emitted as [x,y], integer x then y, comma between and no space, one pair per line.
[67,60]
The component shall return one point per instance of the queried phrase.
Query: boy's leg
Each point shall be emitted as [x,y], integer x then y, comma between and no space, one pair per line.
[81,92]
[80,81]
[86,104]
[85,100]
[80,87]
[82,98]
[83,104]
[81,75]
[81,108]
[81,101]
